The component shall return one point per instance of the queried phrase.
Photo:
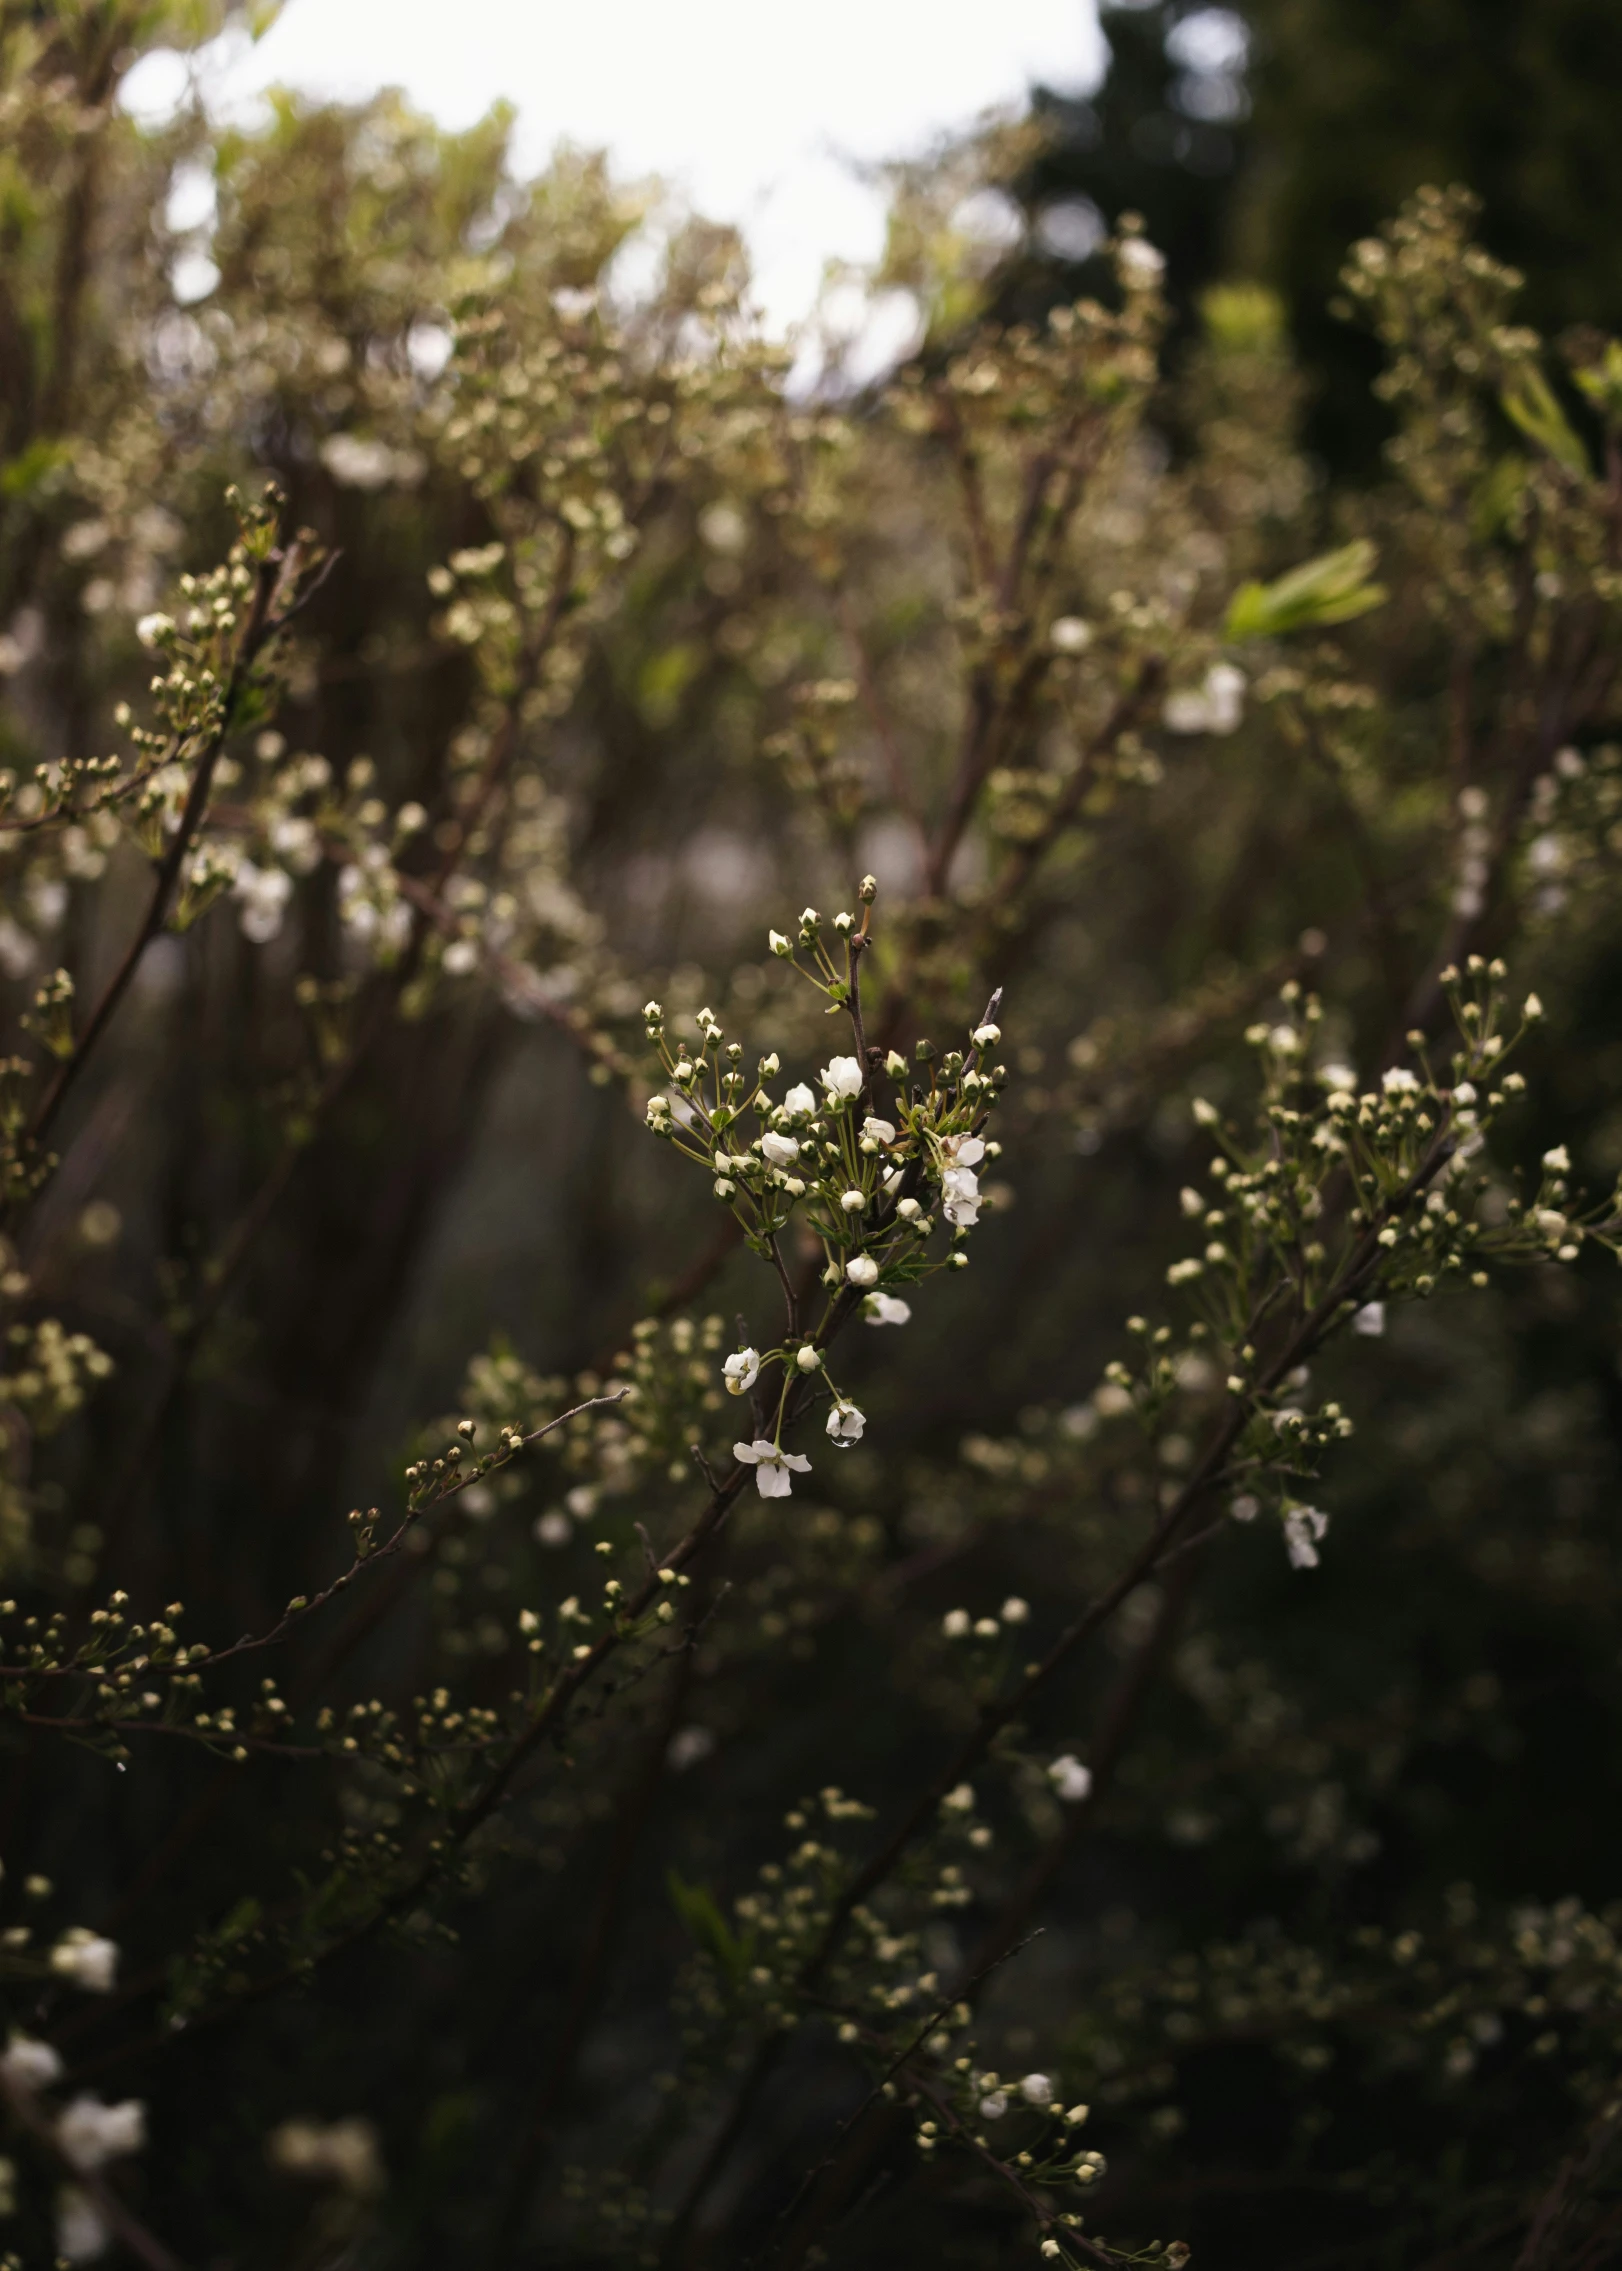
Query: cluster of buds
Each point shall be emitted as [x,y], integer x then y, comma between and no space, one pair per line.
[873,1159]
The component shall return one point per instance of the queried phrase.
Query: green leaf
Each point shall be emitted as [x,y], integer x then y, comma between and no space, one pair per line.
[695,1905]
[1529,402]
[1331,589]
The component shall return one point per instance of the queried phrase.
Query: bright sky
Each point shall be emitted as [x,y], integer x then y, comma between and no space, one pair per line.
[747,106]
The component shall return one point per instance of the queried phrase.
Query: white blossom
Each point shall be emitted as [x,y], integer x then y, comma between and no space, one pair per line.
[29,2065]
[842,1079]
[1531,1009]
[1036,2089]
[1370,1319]
[88,1960]
[1071,1781]
[781,1150]
[264,893]
[955,1624]
[960,1197]
[845,1423]
[1558,1161]
[778,943]
[1142,266]
[772,1466]
[994,2107]
[885,1309]
[1070,634]
[152,628]
[90,2133]
[853,1201]
[986,1036]
[1215,706]
[81,2233]
[740,1372]
[799,1103]
[880,1131]
[861,1269]
[1304,1526]
[1397,1080]
[808,1359]
[962,1151]
[1015,1611]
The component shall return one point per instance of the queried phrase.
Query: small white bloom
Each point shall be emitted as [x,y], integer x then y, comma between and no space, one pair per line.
[1070,634]
[152,628]
[1036,2089]
[1531,1009]
[1370,1319]
[994,2107]
[955,1624]
[1216,706]
[88,1960]
[799,1103]
[772,1466]
[861,1269]
[960,1197]
[81,2233]
[986,1036]
[1071,1781]
[842,1079]
[1015,1611]
[460,958]
[770,1066]
[853,1201]
[740,1372]
[781,1150]
[1304,1526]
[962,1151]
[30,2065]
[778,943]
[1397,1080]
[90,2133]
[808,1359]
[1142,266]
[881,1131]
[1558,1161]
[908,1209]
[845,1424]
[1245,1507]
[1338,1077]
[885,1309]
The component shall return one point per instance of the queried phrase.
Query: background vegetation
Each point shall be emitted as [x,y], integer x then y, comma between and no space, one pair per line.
[602,654]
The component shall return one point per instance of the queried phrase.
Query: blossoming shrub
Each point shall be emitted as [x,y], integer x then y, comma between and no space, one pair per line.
[1004,1641]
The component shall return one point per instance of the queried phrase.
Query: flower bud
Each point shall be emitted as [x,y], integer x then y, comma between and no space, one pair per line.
[779,944]
[808,1358]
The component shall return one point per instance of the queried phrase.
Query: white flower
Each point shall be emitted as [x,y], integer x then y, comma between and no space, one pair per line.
[778,943]
[152,628]
[1338,1078]
[1397,1080]
[1015,1611]
[845,1424]
[853,1201]
[460,958]
[770,1066]
[1216,706]
[986,1036]
[740,1372]
[1036,2089]
[994,2107]
[81,2235]
[962,1151]
[842,1078]
[955,1624]
[1245,1507]
[799,1103]
[264,892]
[90,2133]
[1141,265]
[960,1197]
[1069,634]
[781,1150]
[1558,1161]
[861,1269]
[1370,1319]
[771,1464]
[1303,1527]
[1071,1781]
[89,1961]
[1531,1009]
[30,2065]
[885,1309]
[881,1131]
[808,1359]
[908,1209]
